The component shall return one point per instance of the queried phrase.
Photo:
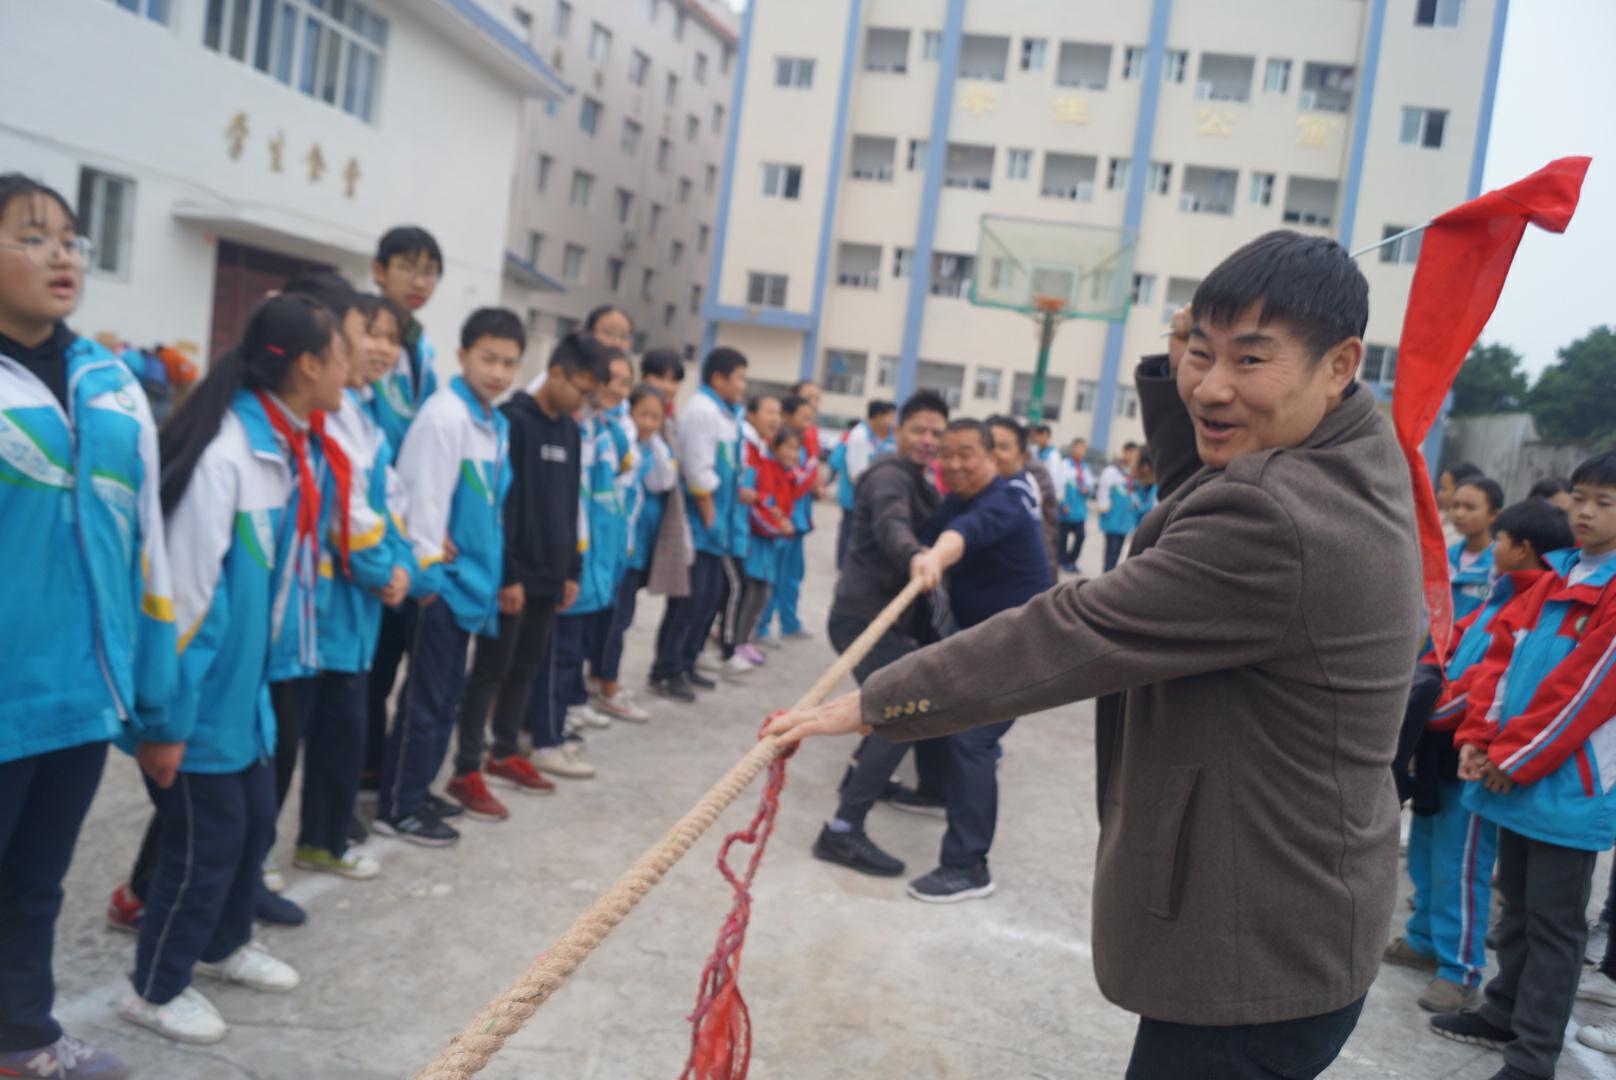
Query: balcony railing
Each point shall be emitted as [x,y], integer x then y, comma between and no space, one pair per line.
[867,279]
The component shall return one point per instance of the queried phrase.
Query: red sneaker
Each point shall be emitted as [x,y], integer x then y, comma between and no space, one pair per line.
[124,910]
[471,792]
[520,773]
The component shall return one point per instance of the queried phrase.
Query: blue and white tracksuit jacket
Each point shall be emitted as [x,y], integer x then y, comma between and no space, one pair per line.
[853,455]
[1117,510]
[1076,492]
[1542,707]
[455,465]
[1470,586]
[349,611]
[399,397]
[709,455]
[88,627]
[608,463]
[656,477]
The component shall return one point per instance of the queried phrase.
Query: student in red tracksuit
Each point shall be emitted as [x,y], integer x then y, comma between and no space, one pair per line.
[778,482]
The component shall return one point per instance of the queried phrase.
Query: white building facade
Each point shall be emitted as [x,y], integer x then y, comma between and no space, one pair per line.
[215,148]
[615,191]
[1191,126]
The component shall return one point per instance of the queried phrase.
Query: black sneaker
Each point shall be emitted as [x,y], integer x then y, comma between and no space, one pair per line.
[699,681]
[674,689]
[910,801]
[855,851]
[1468,1027]
[276,910]
[443,808]
[424,828]
[951,884]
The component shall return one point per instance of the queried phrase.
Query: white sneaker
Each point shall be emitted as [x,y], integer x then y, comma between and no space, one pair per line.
[252,966]
[585,717]
[1601,1037]
[771,643]
[738,665]
[563,761]
[708,664]
[621,706]
[1598,936]
[189,1018]
[274,880]
[1598,987]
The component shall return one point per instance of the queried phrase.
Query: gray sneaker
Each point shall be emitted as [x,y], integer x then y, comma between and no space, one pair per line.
[1447,996]
[66,1059]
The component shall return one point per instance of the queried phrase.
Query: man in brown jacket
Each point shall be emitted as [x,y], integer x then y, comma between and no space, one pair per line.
[1262,635]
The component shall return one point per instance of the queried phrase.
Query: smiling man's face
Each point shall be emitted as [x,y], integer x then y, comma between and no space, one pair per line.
[1251,387]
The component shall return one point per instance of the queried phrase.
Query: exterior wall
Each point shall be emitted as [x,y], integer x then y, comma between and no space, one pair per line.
[556,132]
[151,103]
[1269,133]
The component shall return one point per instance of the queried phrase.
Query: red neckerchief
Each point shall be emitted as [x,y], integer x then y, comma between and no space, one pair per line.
[342,473]
[308,492]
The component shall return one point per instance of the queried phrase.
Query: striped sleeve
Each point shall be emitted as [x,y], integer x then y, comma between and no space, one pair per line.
[156,659]
[1575,700]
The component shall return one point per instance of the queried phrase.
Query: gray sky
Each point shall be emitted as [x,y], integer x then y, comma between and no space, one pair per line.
[1556,97]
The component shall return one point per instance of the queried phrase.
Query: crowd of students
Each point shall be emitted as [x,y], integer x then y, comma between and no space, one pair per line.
[236,590]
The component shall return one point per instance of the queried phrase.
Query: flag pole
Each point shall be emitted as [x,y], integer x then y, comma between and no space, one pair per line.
[1390,239]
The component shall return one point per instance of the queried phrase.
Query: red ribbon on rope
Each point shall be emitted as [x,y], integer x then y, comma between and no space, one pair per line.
[721,1027]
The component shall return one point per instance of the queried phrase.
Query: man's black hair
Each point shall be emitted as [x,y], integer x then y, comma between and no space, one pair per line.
[408,241]
[1548,487]
[983,429]
[1011,424]
[1536,522]
[920,401]
[493,322]
[1309,283]
[722,362]
[580,354]
[1597,471]
[1129,445]
[662,363]
[1461,472]
[881,408]
[1490,489]
[791,403]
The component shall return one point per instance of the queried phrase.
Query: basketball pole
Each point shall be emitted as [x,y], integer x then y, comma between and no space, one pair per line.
[1048,316]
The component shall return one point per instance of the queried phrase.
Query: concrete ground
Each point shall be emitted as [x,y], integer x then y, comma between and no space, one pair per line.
[844,974]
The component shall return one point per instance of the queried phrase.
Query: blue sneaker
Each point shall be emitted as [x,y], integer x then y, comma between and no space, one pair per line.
[66,1059]
[276,910]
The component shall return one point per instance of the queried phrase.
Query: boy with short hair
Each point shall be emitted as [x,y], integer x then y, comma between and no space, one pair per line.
[1537,749]
[455,465]
[1074,504]
[1450,849]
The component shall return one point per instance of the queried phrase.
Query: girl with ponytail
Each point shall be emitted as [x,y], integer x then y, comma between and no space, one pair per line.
[241,491]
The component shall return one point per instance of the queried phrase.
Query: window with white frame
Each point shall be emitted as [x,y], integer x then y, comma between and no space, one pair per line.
[630,141]
[1033,53]
[917,154]
[718,119]
[781,181]
[572,263]
[664,150]
[1117,174]
[695,299]
[614,274]
[684,189]
[583,186]
[1379,364]
[1018,164]
[1405,249]
[1176,61]
[546,167]
[844,371]
[985,387]
[902,261]
[1133,61]
[523,17]
[1160,177]
[669,311]
[700,70]
[672,94]
[330,53]
[1262,188]
[794,72]
[1086,389]
[1437,12]
[709,182]
[647,283]
[535,246]
[624,205]
[589,111]
[886,372]
[107,218]
[563,19]
[692,127]
[600,43]
[702,234]
[1021,395]
[931,44]
[655,219]
[1276,76]
[1423,127]
[1127,402]
[1144,290]
[155,10]
[766,290]
[639,66]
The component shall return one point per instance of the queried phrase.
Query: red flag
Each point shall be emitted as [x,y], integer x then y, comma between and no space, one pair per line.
[1464,258]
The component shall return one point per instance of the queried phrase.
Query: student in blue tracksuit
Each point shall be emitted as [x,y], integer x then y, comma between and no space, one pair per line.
[1536,750]
[1144,487]
[709,456]
[86,619]
[407,269]
[862,444]
[455,467]
[1076,492]
[243,508]
[1450,849]
[1473,510]
[800,415]
[1114,499]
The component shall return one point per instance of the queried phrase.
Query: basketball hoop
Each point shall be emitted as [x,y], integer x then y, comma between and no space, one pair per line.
[1046,304]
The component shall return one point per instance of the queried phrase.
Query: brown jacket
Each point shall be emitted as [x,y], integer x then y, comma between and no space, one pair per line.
[1247,865]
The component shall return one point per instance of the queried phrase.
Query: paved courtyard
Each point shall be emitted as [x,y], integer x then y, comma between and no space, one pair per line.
[844,974]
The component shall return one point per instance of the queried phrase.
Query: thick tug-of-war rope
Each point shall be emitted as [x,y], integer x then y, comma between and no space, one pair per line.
[470,1051]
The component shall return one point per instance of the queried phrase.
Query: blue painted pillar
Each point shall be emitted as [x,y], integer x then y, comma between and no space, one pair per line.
[1360,119]
[726,188]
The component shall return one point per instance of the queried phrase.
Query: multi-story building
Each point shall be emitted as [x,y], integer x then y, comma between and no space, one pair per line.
[615,191]
[871,137]
[215,148]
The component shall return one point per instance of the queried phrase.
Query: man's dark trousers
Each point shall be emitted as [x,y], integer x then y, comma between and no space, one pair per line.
[1289,1050]
[972,793]
[1541,936]
[502,676]
[43,800]
[695,613]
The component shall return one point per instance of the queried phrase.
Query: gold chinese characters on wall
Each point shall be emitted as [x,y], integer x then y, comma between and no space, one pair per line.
[239,130]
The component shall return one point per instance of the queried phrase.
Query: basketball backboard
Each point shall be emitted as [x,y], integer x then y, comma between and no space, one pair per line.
[1089,268]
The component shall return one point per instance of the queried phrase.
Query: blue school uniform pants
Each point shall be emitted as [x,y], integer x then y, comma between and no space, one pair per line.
[327,714]
[1450,859]
[43,800]
[559,684]
[428,712]
[787,589]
